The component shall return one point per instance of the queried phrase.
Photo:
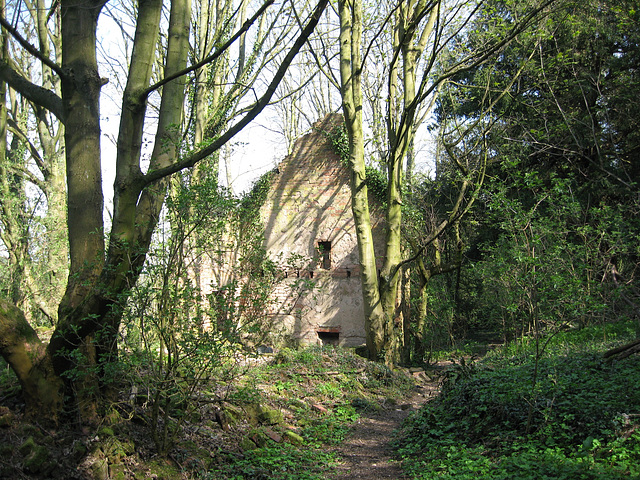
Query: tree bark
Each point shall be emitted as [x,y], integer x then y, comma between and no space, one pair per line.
[22,350]
[623,351]
[350,74]
[80,97]
[37,286]
[12,199]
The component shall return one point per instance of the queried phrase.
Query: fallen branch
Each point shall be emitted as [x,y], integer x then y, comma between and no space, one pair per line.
[332,372]
[623,351]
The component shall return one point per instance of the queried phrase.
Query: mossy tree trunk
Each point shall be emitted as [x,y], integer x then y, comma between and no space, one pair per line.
[27,162]
[384,323]
[376,321]
[29,359]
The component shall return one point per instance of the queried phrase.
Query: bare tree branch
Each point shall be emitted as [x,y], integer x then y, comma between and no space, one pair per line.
[195,157]
[30,48]
[219,51]
[32,92]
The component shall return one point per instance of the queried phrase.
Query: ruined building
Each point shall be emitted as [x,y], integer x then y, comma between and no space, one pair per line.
[309,230]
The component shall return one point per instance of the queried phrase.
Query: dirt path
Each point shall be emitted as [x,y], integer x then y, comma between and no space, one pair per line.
[366,454]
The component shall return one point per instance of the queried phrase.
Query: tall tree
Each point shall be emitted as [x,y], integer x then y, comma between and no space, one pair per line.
[350,12]
[100,279]
[33,226]
[420,25]
[561,209]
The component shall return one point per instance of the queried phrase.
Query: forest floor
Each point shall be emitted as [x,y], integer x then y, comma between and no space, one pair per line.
[317,393]
[367,454]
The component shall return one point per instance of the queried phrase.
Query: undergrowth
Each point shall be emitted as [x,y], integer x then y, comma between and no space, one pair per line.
[579,420]
[277,418]
[321,393]
[275,461]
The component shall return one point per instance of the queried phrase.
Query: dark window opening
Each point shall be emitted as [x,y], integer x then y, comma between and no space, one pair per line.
[325,255]
[329,338]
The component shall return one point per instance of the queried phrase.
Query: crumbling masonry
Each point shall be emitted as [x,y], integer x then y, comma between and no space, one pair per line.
[309,230]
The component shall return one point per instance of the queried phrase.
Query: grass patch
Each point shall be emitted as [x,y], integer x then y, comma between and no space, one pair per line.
[276,461]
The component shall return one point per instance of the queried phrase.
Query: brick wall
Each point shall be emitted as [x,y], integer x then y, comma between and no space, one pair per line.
[309,203]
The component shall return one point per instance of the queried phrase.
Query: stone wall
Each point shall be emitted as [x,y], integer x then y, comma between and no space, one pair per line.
[309,230]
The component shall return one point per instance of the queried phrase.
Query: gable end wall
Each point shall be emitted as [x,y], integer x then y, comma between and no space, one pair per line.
[310,202]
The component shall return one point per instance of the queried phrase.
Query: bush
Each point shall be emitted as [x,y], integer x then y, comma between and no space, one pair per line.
[579,419]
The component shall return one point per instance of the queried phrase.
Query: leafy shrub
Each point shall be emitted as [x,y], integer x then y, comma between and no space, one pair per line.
[579,419]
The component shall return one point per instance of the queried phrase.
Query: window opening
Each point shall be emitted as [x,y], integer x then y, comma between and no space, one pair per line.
[329,338]
[325,254]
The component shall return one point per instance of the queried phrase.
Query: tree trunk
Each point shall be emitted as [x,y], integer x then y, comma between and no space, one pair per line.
[80,96]
[12,199]
[48,293]
[400,125]
[390,273]
[130,241]
[136,211]
[419,329]
[350,74]
[623,351]
[384,320]
[31,290]
[22,350]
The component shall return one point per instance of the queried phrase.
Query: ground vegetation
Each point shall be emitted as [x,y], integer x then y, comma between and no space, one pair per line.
[275,416]
[522,240]
[516,414]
